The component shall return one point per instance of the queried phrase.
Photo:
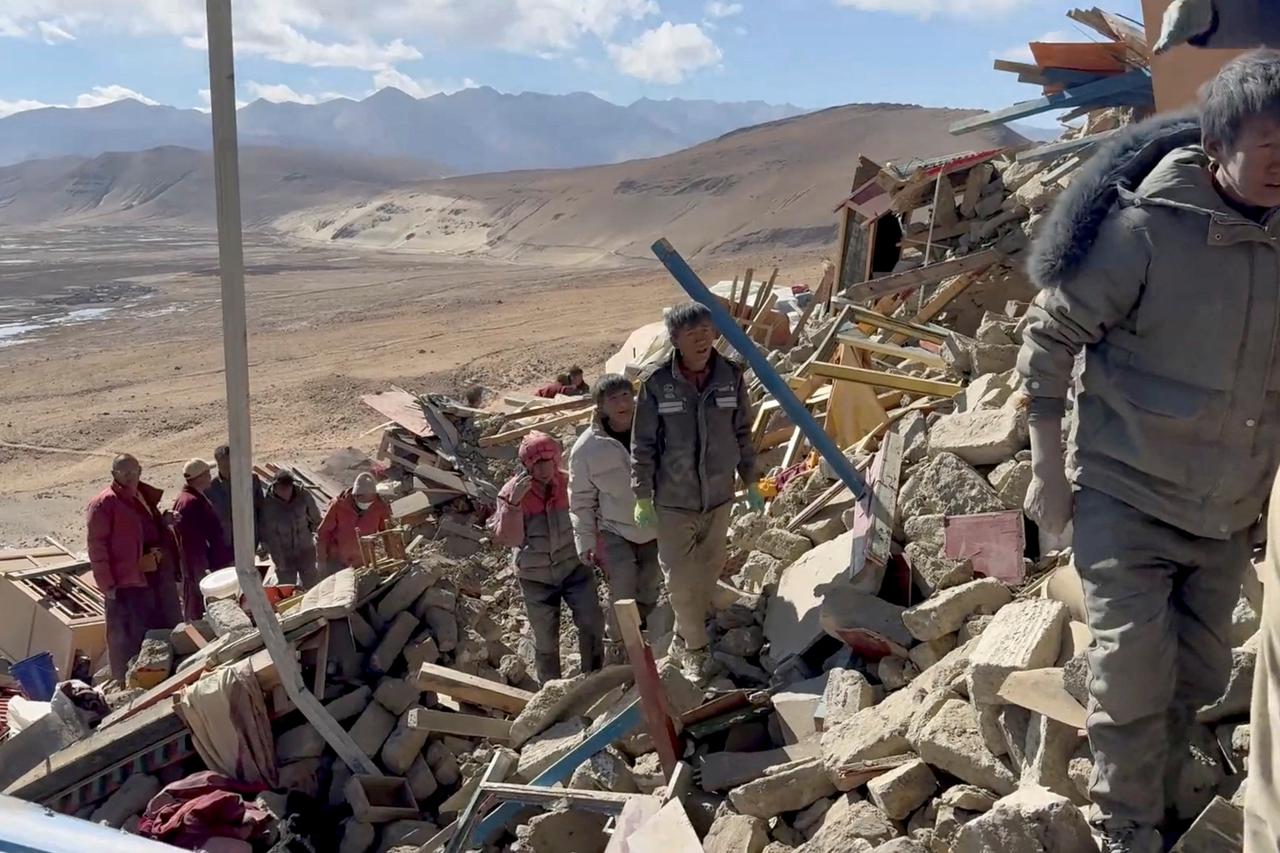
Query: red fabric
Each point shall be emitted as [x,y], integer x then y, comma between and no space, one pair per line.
[699,378]
[338,537]
[508,520]
[555,389]
[204,805]
[120,528]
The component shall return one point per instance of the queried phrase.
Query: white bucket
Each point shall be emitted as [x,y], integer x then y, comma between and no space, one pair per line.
[220,584]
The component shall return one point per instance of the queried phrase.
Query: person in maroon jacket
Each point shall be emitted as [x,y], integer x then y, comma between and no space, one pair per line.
[134,561]
[202,543]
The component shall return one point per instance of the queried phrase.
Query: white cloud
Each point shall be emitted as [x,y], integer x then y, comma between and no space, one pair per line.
[8,108]
[52,33]
[720,9]
[99,95]
[9,28]
[419,87]
[925,9]
[1022,52]
[666,54]
[279,93]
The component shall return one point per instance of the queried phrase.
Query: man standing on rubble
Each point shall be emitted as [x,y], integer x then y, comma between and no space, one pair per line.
[133,559]
[359,512]
[290,519]
[603,506]
[202,543]
[219,494]
[532,520]
[692,433]
[1169,286]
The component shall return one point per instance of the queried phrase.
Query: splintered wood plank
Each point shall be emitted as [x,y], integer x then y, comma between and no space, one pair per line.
[881,379]
[401,407]
[472,689]
[653,696]
[916,354]
[923,276]
[463,725]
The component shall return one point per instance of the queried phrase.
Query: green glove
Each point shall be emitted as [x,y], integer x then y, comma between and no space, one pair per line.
[755,500]
[644,512]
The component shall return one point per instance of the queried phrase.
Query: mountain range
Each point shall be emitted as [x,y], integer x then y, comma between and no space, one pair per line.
[466,132]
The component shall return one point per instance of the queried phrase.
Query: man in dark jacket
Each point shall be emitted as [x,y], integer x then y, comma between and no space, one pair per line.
[219,494]
[692,434]
[134,561]
[290,519]
[1160,264]
[202,543]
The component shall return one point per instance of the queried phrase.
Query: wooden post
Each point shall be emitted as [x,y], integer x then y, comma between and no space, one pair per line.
[235,342]
[653,698]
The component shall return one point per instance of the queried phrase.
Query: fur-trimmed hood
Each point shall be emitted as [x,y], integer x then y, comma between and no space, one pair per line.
[1122,163]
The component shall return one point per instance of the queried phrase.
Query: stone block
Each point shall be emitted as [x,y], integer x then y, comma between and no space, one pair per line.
[357,836]
[422,782]
[759,570]
[443,596]
[876,732]
[1031,819]
[988,391]
[980,437]
[129,799]
[393,641]
[152,665]
[554,832]
[808,821]
[971,798]
[896,672]
[946,485]
[538,753]
[795,714]
[406,833]
[1050,746]
[927,531]
[853,617]
[1219,828]
[405,592]
[973,628]
[361,631]
[350,704]
[823,530]
[903,789]
[927,654]
[947,611]
[736,833]
[784,789]
[847,693]
[443,764]
[932,571]
[783,545]
[952,741]
[743,642]
[304,776]
[403,745]
[371,728]
[298,743]
[444,627]
[1023,635]
[851,824]
[1011,479]
[397,695]
[225,617]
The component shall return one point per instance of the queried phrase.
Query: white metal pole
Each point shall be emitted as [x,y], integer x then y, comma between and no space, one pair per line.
[226,161]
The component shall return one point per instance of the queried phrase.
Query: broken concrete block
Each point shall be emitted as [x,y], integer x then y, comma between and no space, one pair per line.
[393,642]
[743,642]
[759,571]
[795,715]
[397,695]
[792,616]
[407,834]
[1011,479]
[403,745]
[1050,746]
[862,620]
[539,752]
[406,591]
[876,732]
[129,799]
[736,833]
[740,669]
[1075,678]
[988,391]
[847,693]
[807,821]
[927,654]
[1031,819]
[361,631]
[971,798]
[932,571]
[1023,635]
[371,728]
[823,530]
[952,741]
[444,596]
[420,650]
[422,782]
[784,789]
[298,743]
[973,628]
[349,704]
[981,437]
[1236,699]
[783,545]
[902,845]
[1219,828]
[357,836]
[903,789]
[152,665]
[850,823]
[927,532]
[564,830]
[608,771]
[895,672]
[946,485]
[182,643]
[225,617]
[443,764]
[947,611]
[444,627]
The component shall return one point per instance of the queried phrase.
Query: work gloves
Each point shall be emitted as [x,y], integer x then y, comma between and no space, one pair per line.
[644,512]
[1049,499]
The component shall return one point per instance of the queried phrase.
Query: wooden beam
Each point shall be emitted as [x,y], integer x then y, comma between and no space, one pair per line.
[520,432]
[653,696]
[924,276]
[472,689]
[607,802]
[498,768]
[463,725]
[877,320]
[882,379]
[1054,150]
[916,354]
[1098,92]
[884,499]
[549,409]
[940,300]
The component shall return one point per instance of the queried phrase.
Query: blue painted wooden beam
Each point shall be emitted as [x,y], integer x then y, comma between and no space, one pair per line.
[615,729]
[777,386]
[1098,92]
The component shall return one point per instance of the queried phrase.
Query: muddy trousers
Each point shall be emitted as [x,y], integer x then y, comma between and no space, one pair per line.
[542,600]
[296,566]
[692,549]
[633,572]
[130,614]
[1159,603]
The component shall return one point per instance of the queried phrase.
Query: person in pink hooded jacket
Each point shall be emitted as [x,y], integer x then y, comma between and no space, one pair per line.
[532,519]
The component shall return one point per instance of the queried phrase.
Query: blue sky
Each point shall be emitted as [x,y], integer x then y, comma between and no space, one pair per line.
[812,53]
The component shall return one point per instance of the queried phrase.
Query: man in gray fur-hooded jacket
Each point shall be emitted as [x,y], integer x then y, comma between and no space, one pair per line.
[1162,264]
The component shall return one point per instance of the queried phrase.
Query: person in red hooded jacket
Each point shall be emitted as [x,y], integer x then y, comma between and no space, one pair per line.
[532,519]
[359,512]
[134,561]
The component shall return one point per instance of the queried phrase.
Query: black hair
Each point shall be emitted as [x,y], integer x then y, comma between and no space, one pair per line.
[1246,87]
[284,475]
[222,451]
[474,395]
[575,369]
[683,316]
[609,384]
